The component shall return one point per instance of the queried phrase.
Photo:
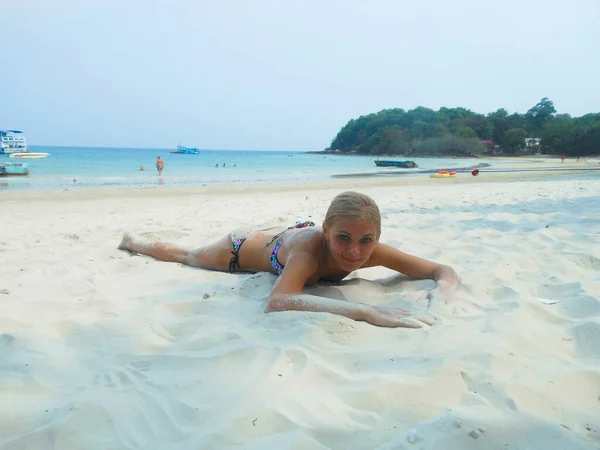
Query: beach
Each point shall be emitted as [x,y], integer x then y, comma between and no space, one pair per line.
[102,349]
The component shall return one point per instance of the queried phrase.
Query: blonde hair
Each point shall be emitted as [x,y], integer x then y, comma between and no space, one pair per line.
[353,205]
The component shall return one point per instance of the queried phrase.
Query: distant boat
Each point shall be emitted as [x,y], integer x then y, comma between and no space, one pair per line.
[12,141]
[187,150]
[403,164]
[13,169]
[29,155]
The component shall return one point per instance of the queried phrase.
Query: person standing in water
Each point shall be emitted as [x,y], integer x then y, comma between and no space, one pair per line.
[160,165]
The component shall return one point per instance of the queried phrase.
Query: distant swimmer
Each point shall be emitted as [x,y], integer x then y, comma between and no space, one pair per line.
[217,165]
[141,169]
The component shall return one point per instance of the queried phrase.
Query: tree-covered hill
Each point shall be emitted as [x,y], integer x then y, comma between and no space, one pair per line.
[461,132]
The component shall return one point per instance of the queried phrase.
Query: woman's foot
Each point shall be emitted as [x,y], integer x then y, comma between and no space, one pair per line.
[126,242]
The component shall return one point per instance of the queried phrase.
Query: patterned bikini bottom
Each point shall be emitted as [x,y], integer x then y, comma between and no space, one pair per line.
[239,238]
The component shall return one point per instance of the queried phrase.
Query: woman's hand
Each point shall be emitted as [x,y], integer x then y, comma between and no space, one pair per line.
[384,316]
[442,292]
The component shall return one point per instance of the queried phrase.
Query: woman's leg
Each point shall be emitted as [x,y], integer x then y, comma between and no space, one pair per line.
[215,256]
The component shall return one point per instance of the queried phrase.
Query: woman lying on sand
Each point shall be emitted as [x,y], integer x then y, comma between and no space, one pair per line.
[303,254]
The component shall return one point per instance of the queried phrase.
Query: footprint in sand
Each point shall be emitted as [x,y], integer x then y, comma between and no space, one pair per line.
[585,261]
[587,340]
[505,294]
[123,378]
[506,298]
[482,392]
[6,341]
[71,236]
[141,365]
[569,300]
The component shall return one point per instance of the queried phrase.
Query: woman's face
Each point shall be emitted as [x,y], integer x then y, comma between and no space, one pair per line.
[351,242]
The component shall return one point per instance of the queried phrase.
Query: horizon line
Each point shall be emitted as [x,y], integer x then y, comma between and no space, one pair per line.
[169,148]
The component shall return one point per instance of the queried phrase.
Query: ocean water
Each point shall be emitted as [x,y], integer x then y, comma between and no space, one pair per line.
[87,167]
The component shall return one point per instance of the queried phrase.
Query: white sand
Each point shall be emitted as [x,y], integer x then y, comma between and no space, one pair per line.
[103,350]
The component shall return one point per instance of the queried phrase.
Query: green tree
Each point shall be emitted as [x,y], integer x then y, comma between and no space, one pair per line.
[390,140]
[396,141]
[585,136]
[483,128]
[499,120]
[515,139]
[458,131]
[588,143]
[467,133]
[540,114]
[557,134]
[453,145]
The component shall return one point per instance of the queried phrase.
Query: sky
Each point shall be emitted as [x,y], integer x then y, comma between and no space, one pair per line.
[280,75]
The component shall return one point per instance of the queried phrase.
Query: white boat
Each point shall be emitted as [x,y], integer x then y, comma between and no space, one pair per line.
[12,141]
[29,155]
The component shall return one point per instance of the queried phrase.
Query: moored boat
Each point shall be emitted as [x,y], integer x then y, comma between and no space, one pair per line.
[29,155]
[12,141]
[390,163]
[13,169]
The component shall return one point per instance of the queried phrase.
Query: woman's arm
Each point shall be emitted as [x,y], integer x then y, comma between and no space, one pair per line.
[287,295]
[447,281]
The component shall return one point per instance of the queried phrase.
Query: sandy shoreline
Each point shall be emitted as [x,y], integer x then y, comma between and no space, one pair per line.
[101,349]
[535,169]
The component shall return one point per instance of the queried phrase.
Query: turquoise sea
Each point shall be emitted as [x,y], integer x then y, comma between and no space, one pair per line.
[103,167]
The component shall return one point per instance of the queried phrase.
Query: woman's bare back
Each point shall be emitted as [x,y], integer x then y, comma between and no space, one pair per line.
[255,253]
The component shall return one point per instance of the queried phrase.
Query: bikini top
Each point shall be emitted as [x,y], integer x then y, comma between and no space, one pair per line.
[278,238]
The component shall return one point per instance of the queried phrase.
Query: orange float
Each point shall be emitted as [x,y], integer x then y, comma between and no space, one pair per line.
[443,174]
